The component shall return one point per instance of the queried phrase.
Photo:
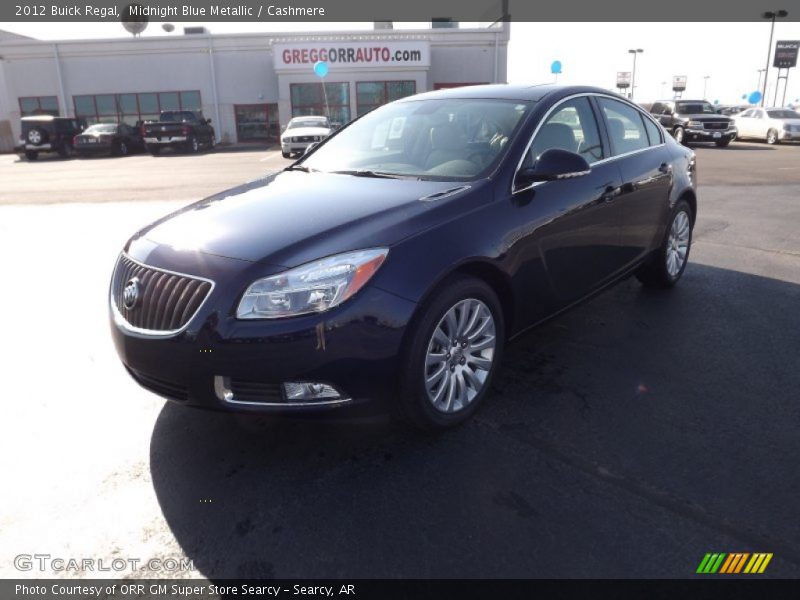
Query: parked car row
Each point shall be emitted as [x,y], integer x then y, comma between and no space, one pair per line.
[700,121]
[180,130]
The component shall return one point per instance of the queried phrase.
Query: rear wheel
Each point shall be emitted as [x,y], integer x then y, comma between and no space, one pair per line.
[665,267]
[453,352]
[31,154]
[193,145]
[772,137]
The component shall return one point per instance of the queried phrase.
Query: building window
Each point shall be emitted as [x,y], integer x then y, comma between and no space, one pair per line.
[256,122]
[130,108]
[38,105]
[371,94]
[309,99]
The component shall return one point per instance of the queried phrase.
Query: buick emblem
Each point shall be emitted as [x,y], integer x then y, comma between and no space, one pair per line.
[130,294]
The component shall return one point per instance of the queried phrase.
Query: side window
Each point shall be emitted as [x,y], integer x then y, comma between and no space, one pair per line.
[747,114]
[572,126]
[625,127]
[653,132]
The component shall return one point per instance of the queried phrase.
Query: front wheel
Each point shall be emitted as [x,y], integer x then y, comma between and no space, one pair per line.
[772,137]
[31,154]
[678,133]
[723,143]
[453,352]
[665,267]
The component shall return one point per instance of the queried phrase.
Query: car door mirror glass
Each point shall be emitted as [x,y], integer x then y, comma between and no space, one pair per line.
[551,165]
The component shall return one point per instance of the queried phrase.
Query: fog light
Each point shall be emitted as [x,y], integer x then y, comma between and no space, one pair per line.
[304,392]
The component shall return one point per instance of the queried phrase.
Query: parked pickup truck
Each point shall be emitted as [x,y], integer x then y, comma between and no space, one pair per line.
[179,129]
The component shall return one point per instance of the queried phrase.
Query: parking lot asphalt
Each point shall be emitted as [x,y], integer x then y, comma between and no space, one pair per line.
[626,438]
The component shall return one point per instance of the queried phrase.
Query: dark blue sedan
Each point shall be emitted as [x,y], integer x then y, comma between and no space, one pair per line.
[389,266]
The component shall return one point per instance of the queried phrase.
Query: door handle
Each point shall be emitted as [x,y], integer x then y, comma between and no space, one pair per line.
[665,168]
[610,193]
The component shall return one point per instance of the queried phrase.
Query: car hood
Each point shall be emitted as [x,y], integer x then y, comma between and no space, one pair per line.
[298,131]
[293,217]
[705,117]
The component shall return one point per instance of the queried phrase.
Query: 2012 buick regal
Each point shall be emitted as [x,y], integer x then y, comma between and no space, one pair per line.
[394,261]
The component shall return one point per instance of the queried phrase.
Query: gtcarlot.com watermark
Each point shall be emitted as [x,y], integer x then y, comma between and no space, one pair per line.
[49,563]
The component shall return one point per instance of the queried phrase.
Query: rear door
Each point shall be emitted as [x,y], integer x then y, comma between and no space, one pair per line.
[638,149]
[578,242]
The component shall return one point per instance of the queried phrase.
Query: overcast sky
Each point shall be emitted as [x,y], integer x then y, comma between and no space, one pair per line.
[590,53]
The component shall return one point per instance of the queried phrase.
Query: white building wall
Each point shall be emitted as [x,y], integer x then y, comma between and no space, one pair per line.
[242,67]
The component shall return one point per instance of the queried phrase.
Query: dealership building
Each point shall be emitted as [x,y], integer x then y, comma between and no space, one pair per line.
[249,85]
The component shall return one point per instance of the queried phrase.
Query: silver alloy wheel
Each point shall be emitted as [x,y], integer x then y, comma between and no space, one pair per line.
[772,136]
[460,355]
[35,137]
[195,145]
[678,243]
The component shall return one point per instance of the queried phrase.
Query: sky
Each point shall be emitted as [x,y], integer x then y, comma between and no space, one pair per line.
[590,53]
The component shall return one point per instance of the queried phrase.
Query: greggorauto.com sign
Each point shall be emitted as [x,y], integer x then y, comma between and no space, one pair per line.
[352,54]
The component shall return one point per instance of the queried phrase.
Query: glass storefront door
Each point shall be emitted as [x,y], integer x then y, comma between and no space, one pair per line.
[257,122]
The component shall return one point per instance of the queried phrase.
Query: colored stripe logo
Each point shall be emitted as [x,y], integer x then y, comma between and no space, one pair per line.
[733,563]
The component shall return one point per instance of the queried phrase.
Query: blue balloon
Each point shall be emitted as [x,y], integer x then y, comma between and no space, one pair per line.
[754,98]
[321,68]
[555,68]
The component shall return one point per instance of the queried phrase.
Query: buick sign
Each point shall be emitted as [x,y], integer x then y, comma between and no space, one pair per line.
[130,294]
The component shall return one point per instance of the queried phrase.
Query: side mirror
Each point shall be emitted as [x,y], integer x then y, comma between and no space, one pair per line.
[553,164]
[310,147]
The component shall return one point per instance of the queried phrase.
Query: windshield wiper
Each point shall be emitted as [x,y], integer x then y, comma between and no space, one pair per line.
[376,174]
[302,168]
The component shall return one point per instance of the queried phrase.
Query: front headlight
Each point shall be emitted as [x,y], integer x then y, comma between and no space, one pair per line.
[695,124]
[313,287]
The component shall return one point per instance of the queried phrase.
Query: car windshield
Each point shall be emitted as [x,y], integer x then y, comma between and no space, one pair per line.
[448,139]
[104,128]
[694,108]
[297,123]
[183,115]
[783,114]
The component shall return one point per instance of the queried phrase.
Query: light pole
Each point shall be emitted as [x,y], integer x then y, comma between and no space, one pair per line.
[760,71]
[663,83]
[771,15]
[705,85]
[633,74]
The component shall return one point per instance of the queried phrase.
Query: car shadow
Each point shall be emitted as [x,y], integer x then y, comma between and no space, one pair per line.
[660,387]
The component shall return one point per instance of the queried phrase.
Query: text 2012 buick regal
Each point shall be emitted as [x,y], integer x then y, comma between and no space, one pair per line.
[394,261]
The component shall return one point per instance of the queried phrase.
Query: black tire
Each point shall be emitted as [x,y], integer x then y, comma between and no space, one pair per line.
[679,134]
[192,145]
[154,150]
[655,273]
[286,154]
[37,136]
[122,148]
[413,404]
[31,154]
[723,143]
[772,137]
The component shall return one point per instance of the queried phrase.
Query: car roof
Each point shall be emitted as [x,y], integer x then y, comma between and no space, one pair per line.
[308,117]
[505,91]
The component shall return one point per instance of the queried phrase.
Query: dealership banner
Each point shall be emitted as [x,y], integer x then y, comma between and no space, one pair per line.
[480,11]
[351,55]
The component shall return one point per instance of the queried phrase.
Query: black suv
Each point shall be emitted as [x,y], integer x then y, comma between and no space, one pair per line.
[694,121]
[45,133]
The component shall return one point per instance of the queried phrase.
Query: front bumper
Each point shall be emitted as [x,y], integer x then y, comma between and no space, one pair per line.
[293,147]
[354,347]
[709,135]
[788,136]
[99,148]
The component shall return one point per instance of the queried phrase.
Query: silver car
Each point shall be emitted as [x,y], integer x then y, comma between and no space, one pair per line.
[301,132]
[772,125]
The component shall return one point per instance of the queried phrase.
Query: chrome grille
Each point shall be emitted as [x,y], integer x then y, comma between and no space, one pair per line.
[167,301]
[716,124]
